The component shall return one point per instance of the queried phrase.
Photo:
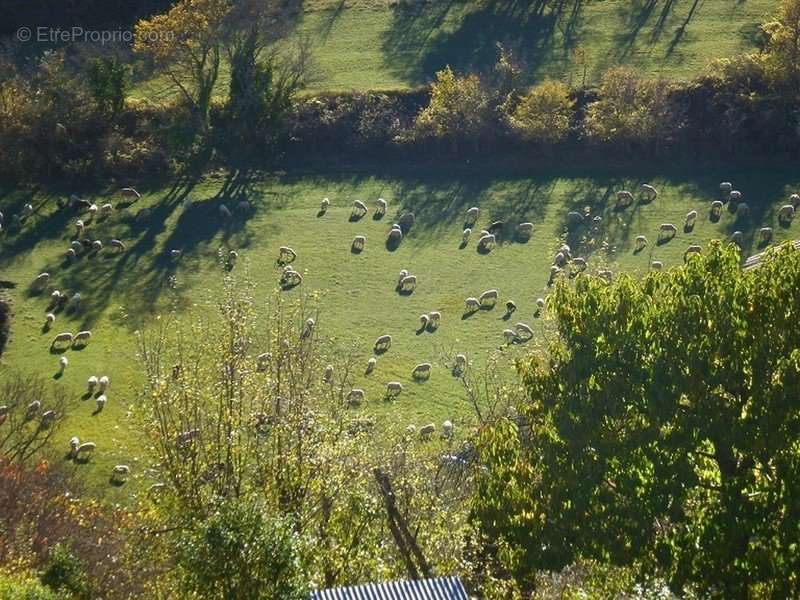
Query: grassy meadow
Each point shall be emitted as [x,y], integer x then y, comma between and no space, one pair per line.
[124,292]
[378,45]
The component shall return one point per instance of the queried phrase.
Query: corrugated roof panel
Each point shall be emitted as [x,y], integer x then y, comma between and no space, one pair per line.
[440,588]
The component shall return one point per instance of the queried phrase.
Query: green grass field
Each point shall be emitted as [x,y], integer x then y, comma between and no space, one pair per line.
[372,44]
[124,291]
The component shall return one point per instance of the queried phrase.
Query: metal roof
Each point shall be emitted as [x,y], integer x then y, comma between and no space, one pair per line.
[440,588]
[755,260]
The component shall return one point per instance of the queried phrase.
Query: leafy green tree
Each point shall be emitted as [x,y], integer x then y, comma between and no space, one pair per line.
[661,432]
[545,113]
[24,587]
[782,56]
[459,109]
[64,573]
[108,83]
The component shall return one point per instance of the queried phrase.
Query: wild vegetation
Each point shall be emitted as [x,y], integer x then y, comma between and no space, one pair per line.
[260,337]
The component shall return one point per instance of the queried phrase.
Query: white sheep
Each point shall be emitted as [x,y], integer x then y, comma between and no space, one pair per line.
[472,304]
[27,209]
[308,328]
[380,206]
[359,209]
[725,187]
[394,388]
[355,396]
[691,217]
[575,218]
[291,277]
[286,255]
[487,242]
[79,227]
[667,230]
[100,402]
[263,360]
[427,431]
[624,198]
[117,245]
[765,234]
[510,335]
[461,362]
[97,245]
[579,263]
[70,254]
[716,208]
[327,375]
[559,259]
[63,363]
[74,443]
[606,274]
[62,338]
[525,229]
[447,429]
[130,193]
[465,235]
[522,328]
[411,430]
[120,472]
[794,200]
[41,280]
[742,210]
[395,235]
[102,383]
[323,206]
[489,297]
[737,237]
[735,196]
[511,307]
[106,208]
[371,364]
[421,371]
[55,296]
[649,192]
[472,215]
[403,274]
[91,383]
[358,243]
[76,299]
[786,213]
[49,318]
[33,408]
[224,212]
[691,250]
[423,321]
[48,417]
[657,265]
[384,342]
[93,209]
[408,283]
[435,317]
[540,303]
[640,243]
[82,337]
[76,246]
[85,448]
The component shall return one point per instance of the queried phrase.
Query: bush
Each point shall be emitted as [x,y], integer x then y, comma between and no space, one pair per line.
[63,572]
[24,587]
[544,114]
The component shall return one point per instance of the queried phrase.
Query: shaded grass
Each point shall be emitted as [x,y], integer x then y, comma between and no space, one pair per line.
[124,292]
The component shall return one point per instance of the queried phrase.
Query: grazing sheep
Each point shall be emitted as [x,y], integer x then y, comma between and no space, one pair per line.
[421,371]
[76,246]
[487,242]
[323,206]
[82,337]
[106,208]
[461,362]
[657,265]
[97,245]
[100,402]
[85,448]
[327,375]
[408,283]
[522,328]
[794,200]
[691,217]
[737,237]
[559,259]
[175,254]
[63,363]
[355,397]
[358,243]
[395,235]
[765,234]
[62,338]
[102,383]
[472,215]
[359,209]
[117,245]
[447,429]
[693,249]
[427,431]
[667,231]
[641,243]
[27,210]
[649,192]
[510,335]
[49,319]
[119,473]
[74,443]
[71,254]
[32,409]
[716,208]
[406,221]
[472,304]
[555,271]
[735,196]
[286,255]
[224,212]
[403,275]
[411,430]
[495,227]
[525,229]
[624,198]
[742,210]
[725,188]
[130,193]
[263,360]
[489,297]
[606,274]
[435,317]
[540,303]
[380,206]
[48,417]
[511,307]
[575,218]
[91,383]
[79,227]
[579,263]
[291,277]
[55,296]
[423,321]
[384,342]
[393,388]
[93,210]
[465,235]
[371,364]
[786,213]
[566,250]
[41,280]
[308,328]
